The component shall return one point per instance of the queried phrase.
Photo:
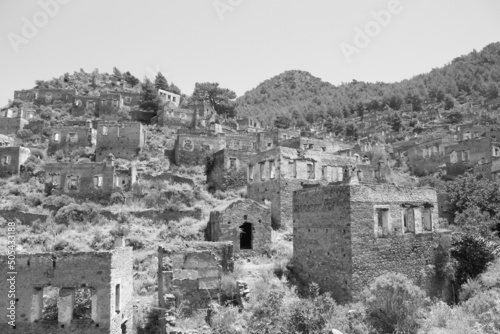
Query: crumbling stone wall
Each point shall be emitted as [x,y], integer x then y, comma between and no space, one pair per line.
[110,104]
[124,140]
[26,218]
[82,104]
[314,144]
[466,154]
[35,126]
[192,148]
[339,244]
[272,138]
[226,224]
[69,138]
[47,96]
[228,169]
[12,159]
[192,272]
[10,125]
[106,273]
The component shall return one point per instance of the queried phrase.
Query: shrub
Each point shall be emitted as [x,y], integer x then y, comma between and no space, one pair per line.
[485,307]
[393,304]
[117,198]
[469,289]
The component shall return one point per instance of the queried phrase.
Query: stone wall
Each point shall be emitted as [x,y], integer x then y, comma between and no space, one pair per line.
[104,273]
[191,149]
[466,154]
[272,138]
[10,125]
[36,126]
[339,244]
[167,177]
[228,169]
[123,140]
[158,215]
[47,96]
[226,224]
[192,272]
[82,104]
[110,104]
[11,159]
[26,218]
[68,138]
[315,144]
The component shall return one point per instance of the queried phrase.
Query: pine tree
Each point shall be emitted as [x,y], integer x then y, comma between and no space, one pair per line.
[116,73]
[161,82]
[149,99]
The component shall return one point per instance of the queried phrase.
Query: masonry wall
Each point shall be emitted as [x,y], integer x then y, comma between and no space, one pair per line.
[191,149]
[36,126]
[476,150]
[192,272]
[61,138]
[47,96]
[99,271]
[57,181]
[82,104]
[225,225]
[10,125]
[222,176]
[110,104]
[123,140]
[18,156]
[321,238]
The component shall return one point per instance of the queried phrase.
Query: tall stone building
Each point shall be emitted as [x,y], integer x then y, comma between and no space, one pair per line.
[101,280]
[124,140]
[344,236]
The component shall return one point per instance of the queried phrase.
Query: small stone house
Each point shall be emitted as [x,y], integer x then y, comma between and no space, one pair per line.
[244,222]
[12,159]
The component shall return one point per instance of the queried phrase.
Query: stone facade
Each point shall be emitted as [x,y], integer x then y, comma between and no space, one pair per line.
[319,145]
[274,175]
[10,124]
[82,104]
[192,148]
[107,275]
[192,273]
[249,124]
[93,180]
[169,96]
[347,235]
[47,96]
[124,140]
[244,222]
[272,138]
[67,138]
[12,160]
[228,169]
[110,104]
[469,153]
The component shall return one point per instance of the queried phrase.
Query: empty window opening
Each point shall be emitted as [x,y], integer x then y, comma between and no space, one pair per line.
[73,138]
[98,181]
[117,299]
[246,236]
[427,219]
[72,182]
[83,304]
[104,130]
[50,310]
[6,159]
[292,169]
[409,220]
[250,172]
[310,171]
[311,146]
[272,169]
[55,136]
[124,327]
[382,222]
[323,172]
[262,171]
[232,163]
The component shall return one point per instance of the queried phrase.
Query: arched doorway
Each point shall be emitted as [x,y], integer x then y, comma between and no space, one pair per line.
[246,236]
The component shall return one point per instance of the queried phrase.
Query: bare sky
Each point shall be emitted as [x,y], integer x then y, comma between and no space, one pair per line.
[238,43]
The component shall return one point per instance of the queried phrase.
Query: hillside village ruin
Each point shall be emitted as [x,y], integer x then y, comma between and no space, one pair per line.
[350,221]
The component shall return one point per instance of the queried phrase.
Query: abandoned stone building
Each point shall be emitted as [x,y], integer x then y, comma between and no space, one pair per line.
[12,160]
[124,140]
[249,124]
[192,147]
[244,222]
[26,95]
[191,273]
[274,175]
[272,138]
[84,104]
[110,104]
[344,236]
[47,96]
[129,98]
[479,151]
[75,280]
[70,137]
[12,121]
[320,145]
[227,169]
[169,96]
[92,180]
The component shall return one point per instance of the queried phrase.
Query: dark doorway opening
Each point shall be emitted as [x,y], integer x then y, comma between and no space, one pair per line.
[246,236]
[124,327]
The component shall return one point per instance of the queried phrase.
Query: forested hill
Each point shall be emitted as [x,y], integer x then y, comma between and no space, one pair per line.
[308,99]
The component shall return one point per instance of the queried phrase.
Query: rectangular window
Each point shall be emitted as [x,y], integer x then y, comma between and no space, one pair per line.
[117,298]
[323,149]
[55,179]
[104,130]
[409,220]
[73,138]
[323,172]
[310,171]
[6,159]
[232,163]
[335,176]
[250,172]
[118,131]
[311,146]
[272,169]
[103,102]
[55,136]
[427,219]
[262,171]
[72,182]
[292,170]
[98,181]
[382,228]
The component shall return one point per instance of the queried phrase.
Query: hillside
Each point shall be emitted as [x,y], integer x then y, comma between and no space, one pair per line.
[303,97]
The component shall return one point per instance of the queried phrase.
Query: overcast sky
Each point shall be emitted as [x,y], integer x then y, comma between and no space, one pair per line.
[238,43]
